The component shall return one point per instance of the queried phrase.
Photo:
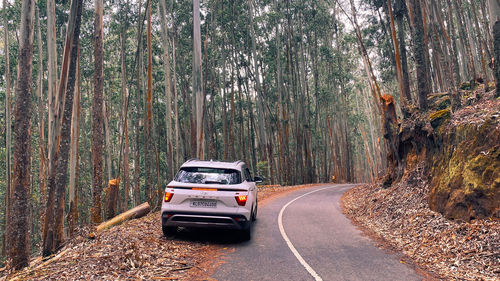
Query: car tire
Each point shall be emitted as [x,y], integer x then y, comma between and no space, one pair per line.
[168,230]
[254,214]
[246,234]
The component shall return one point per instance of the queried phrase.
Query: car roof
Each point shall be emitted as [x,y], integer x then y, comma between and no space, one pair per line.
[213,164]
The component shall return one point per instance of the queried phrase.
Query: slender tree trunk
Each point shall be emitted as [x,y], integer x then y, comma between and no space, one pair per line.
[260,99]
[107,136]
[168,90]
[464,36]
[8,132]
[137,123]
[400,12]
[52,76]
[197,78]
[405,95]
[178,153]
[74,156]
[495,23]
[54,222]
[41,117]
[148,152]
[97,116]
[421,54]
[483,48]
[451,27]
[126,148]
[19,239]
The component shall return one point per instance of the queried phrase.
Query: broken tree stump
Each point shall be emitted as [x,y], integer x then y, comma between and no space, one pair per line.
[111,198]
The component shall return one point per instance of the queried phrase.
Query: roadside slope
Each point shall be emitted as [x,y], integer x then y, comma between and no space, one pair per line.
[444,211]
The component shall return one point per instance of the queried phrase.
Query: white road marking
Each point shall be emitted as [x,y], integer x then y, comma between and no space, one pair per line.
[289,243]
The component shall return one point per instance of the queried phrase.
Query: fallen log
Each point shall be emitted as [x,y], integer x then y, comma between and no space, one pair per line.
[134,213]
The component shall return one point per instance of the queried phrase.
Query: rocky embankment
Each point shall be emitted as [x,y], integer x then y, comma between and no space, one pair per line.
[443,213]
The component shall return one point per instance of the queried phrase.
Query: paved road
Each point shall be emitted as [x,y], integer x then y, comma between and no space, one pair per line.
[326,242]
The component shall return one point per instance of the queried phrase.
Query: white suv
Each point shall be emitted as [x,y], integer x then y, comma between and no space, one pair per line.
[210,194]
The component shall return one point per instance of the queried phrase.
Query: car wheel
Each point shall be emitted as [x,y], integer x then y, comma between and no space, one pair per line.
[246,234]
[168,230]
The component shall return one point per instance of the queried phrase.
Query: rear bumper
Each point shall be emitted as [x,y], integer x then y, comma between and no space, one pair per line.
[205,220]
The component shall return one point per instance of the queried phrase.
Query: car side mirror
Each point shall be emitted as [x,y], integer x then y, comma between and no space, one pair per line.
[257,179]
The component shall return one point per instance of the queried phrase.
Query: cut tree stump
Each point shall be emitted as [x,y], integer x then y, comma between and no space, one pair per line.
[134,213]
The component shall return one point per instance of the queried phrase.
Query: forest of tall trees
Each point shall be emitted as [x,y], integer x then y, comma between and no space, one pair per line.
[111,97]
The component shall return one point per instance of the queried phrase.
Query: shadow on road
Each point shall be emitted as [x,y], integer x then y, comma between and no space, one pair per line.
[211,236]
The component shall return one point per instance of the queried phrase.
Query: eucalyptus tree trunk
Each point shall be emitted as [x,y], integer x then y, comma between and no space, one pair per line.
[483,48]
[464,36]
[260,99]
[405,95]
[19,239]
[400,12]
[52,77]
[74,156]
[125,101]
[97,116]
[148,151]
[168,89]
[41,118]
[137,122]
[421,54]
[8,131]
[495,23]
[51,95]
[54,220]
[178,151]
[107,136]
[453,39]
[197,78]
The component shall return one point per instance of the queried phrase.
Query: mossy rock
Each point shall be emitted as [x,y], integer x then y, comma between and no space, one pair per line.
[466,86]
[439,101]
[443,103]
[465,176]
[439,117]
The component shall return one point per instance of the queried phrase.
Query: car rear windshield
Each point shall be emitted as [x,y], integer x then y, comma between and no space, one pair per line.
[208,175]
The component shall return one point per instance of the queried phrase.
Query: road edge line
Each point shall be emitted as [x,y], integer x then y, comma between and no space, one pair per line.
[289,243]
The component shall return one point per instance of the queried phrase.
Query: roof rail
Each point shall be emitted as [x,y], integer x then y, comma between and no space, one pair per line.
[192,159]
[237,161]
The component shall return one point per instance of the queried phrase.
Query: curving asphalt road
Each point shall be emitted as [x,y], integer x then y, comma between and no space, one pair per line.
[327,246]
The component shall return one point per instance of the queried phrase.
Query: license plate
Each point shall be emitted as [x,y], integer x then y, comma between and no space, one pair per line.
[204,204]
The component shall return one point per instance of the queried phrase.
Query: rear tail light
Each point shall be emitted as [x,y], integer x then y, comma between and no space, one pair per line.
[168,196]
[241,199]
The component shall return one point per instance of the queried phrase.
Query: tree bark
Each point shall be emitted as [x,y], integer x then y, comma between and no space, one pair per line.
[168,89]
[148,151]
[111,198]
[8,132]
[495,23]
[54,221]
[405,95]
[197,78]
[421,54]
[74,156]
[52,77]
[125,101]
[19,239]
[97,115]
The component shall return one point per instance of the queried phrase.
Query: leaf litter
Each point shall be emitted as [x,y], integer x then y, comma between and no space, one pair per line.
[401,217]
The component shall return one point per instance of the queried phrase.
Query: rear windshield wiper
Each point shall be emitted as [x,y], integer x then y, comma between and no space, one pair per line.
[216,182]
